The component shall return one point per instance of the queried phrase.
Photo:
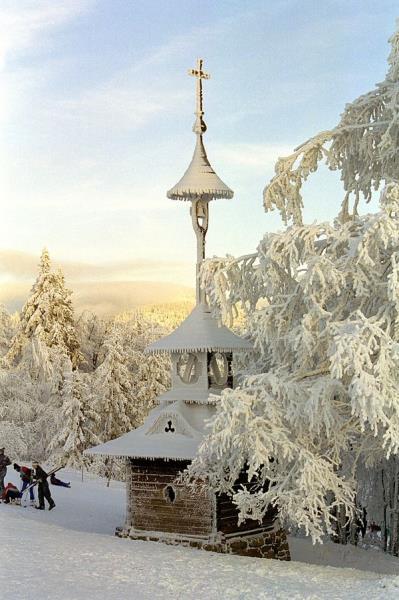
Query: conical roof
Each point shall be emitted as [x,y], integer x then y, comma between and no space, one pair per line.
[200,332]
[200,180]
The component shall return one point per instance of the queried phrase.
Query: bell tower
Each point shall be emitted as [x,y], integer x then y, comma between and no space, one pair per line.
[201,350]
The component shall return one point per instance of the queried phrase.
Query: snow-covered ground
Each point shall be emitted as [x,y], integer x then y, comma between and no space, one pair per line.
[71,553]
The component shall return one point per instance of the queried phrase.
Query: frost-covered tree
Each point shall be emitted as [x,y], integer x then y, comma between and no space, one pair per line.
[7,330]
[113,389]
[43,345]
[17,413]
[363,147]
[41,369]
[128,381]
[48,314]
[29,400]
[13,438]
[92,331]
[319,397]
[149,374]
[378,495]
[77,421]
[168,315]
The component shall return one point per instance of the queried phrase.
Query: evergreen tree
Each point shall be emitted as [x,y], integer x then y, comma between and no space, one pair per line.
[149,373]
[7,329]
[91,332]
[48,314]
[21,411]
[113,389]
[77,419]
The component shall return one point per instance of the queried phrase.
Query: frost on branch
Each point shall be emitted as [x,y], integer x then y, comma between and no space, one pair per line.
[363,146]
[284,190]
[252,428]
[217,279]
[319,395]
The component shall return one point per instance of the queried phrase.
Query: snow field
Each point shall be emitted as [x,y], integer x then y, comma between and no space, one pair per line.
[70,553]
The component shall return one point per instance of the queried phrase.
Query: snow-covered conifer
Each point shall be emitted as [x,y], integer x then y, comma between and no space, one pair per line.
[91,332]
[113,389]
[18,412]
[48,313]
[149,374]
[7,330]
[77,420]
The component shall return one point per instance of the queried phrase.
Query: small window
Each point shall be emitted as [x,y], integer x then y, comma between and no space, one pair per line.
[218,369]
[169,494]
[188,368]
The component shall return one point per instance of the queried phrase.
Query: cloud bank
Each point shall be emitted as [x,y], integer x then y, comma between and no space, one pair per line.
[105,289]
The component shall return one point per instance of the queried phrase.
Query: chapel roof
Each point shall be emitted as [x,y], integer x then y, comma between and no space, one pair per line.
[155,438]
[200,180]
[200,332]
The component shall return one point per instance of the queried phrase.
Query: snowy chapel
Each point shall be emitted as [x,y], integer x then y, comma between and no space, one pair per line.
[158,507]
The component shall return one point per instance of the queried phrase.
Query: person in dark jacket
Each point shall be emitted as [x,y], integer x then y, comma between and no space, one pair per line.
[55,481]
[43,489]
[26,475]
[4,462]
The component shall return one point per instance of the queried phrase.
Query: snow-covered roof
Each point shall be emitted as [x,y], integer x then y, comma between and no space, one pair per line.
[191,393]
[200,332]
[200,180]
[173,431]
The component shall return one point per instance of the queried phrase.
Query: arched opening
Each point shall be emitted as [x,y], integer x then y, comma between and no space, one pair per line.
[169,494]
[220,374]
[188,368]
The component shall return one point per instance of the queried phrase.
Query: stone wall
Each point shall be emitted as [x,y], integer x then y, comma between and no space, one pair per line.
[271,544]
[266,544]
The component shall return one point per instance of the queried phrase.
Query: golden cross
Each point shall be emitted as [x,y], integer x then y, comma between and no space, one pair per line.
[200,75]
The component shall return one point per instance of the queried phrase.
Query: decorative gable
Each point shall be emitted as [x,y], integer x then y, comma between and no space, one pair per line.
[171,423]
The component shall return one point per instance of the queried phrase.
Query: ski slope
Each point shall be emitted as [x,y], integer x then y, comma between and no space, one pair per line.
[71,553]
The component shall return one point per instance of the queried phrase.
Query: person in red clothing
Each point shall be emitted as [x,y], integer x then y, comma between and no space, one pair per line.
[26,474]
[10,492]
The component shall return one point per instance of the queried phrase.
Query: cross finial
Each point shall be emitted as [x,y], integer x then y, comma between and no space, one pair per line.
[199,125]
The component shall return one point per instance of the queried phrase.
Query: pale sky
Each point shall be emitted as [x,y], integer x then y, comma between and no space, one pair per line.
[96,110]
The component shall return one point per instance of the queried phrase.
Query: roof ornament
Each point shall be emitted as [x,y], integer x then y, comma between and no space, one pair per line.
[200,180]
[199,184]
[199,125]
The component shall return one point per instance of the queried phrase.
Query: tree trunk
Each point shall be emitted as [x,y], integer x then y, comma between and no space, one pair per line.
[108,470]
[394,545]
[384,528]
[341,527]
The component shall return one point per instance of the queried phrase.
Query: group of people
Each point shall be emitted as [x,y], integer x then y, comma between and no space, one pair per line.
[30,477]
